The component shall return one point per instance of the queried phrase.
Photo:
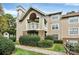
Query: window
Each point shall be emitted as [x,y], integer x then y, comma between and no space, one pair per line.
[72,42]
[32,16]
[55,36]
[55,26]
[55,17]
[73,31]
[73,20]
[33,25]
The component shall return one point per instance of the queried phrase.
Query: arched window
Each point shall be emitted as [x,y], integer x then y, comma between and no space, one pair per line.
[32,16]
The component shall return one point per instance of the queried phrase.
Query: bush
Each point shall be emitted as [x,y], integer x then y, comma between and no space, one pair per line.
[31,40]
[6,46]
[45,43]
[49,37]
[73,46]
[13,39]
[58,41]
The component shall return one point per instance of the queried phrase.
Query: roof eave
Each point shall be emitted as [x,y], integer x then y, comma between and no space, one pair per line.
[54,13]
[26,13]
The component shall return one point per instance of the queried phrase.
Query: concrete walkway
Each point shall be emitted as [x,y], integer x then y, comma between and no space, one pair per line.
[40,50]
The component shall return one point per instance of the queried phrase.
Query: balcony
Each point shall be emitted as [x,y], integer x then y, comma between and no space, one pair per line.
[33,26]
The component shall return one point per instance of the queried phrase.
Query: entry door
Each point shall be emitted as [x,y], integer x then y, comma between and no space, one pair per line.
[55,36]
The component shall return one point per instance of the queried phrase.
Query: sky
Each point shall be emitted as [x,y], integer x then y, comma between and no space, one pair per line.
[44,7]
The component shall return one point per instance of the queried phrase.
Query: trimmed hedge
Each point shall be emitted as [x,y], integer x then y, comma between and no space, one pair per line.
[31,40]
[58,41]
[6,46]
[45,43]
[13,39]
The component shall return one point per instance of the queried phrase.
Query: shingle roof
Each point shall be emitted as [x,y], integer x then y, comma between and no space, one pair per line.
[42,13]
[54,13]
[31,8]
[70,15]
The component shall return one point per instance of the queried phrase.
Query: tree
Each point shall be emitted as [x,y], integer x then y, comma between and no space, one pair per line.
[1,9]
[11,23]
[3,21]
[3,24]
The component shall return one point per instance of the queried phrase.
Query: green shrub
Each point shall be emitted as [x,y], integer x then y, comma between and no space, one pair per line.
[73,46]
[23,40]
[49,37]
[45,43]
[31,40]
[77,48]
[13,39]
[6,46]
[58,41]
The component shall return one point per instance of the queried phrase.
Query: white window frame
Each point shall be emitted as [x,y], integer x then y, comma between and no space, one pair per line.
[58,36]
[55,25]
[73,42]
[57,19]
[73,18]
[33,25]
[69,29]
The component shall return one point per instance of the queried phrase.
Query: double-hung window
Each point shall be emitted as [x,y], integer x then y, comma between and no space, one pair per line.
[73,20]
[55,17]
[55,26]
[73,31]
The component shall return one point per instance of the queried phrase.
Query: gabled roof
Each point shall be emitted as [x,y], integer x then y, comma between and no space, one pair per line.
[70,15]
[27,12]
[54,13]
[21,7]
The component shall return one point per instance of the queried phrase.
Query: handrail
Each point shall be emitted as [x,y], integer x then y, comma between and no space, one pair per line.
[70,52]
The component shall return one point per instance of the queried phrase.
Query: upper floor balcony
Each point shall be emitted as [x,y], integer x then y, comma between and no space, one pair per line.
[35,26]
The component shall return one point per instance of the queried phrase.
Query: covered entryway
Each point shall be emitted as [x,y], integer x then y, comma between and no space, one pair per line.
[33,32]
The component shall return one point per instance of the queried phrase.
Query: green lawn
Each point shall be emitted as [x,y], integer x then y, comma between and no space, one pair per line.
[57,47]
[25,52]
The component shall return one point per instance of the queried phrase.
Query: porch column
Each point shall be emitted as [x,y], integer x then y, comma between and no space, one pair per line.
[41,33]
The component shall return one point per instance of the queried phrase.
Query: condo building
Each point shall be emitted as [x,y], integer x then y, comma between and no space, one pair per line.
[35,22]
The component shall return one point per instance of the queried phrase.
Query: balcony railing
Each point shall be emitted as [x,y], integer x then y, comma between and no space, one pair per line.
[36,26]
[33,26]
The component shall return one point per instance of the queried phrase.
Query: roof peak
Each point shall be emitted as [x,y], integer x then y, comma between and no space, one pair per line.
[20,7]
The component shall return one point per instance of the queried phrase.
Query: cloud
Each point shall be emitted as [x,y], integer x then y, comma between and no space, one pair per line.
[10,11]
[72,4]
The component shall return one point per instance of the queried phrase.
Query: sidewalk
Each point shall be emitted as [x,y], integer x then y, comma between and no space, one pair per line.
[39,50]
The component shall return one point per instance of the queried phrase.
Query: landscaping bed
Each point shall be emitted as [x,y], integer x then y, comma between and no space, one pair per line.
[57,47]
[48,43]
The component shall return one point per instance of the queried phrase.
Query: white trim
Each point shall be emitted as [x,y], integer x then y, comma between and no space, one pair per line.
[73,18]
[55,24]
[58,17]
[70,30]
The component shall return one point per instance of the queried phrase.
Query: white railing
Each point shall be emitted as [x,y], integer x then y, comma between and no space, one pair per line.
[33,26]
[36,26]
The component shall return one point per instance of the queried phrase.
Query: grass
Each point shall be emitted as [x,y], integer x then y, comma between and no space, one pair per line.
[26,52]
[57,47]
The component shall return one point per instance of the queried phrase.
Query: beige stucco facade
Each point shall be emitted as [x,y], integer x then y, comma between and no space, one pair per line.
[25,24]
